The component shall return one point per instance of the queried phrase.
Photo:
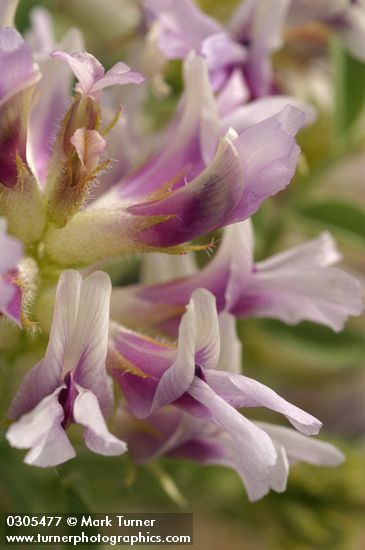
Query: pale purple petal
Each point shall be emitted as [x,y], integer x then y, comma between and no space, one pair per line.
[46,376]
[233,94]
[231,347]
[91,74]
[120,74]
[255,449]
[160,268]
[86,68]
[87,412]
[191,140]
[257,111]
[269,155]
[301,448]
[182,26]
[241,391]
[89,145]
[221,51]
[319,252]
[16,61]
[41,431]
[300,285]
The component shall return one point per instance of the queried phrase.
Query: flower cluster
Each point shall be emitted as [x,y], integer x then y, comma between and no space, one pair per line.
[76,193]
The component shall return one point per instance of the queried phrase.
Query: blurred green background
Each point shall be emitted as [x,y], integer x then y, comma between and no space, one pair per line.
[318,370]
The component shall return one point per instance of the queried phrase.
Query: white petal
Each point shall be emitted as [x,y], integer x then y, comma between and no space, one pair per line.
[41,431]
[86,411]
[160,268]
[231,347]
[301,448]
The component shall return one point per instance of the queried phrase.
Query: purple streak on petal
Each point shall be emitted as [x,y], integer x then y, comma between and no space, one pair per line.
[66,399]
[138,392]
[200,207]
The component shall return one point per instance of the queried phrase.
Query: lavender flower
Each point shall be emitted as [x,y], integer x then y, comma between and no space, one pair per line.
[201,377]
[296,285]
[70,383]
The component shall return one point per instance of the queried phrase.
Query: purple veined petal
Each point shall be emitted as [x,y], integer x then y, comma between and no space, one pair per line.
[87,412]
[269,155]
[7,12]
[198,345]
[241,391]
[231,347]
[257,111]
[85,66]
[191,139]
[201,206]
[301,448]
[16,62]
[88,348]
[40,430]
[161,268]
[89,145]
[182,26]
[257,454]
[46,376]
